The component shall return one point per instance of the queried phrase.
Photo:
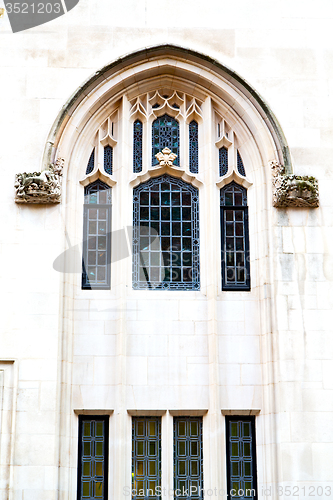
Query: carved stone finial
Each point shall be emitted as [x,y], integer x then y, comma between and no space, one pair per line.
[293,190]
[166,157]
[40,187]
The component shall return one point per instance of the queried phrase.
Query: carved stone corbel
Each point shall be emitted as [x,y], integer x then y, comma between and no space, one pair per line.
[291,190]
[40,187]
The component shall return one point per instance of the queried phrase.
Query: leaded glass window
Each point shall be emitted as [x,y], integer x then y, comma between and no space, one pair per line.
[91,163]
[194,147]
[96,236]
[93,458]
[188,467]
[108,159]
[165,134]
[241,457]
[166,235]
[240,166]
[137,146]
[223,161]
[235,257]
[146,458]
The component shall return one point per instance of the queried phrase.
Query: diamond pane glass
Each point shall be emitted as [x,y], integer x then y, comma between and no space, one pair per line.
[146,458]
[93,459]
[240,166]
[194,147]
[166,235]
[234,238]
[241,457]
[96,255]
[137,146]
[165,134]
[188,465]
[91,163]
[108,159]
[223,161]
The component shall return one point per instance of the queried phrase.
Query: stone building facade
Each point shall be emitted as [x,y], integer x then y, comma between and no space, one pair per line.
[141,304]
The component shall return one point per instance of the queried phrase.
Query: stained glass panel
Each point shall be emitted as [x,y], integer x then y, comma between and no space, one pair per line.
[165,134]
[223,161]
[194,147]
[91,163]
[108,159]
[137,146]
[240,166]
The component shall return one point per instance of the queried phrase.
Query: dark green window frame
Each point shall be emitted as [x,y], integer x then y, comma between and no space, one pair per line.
[92,482]
[235,247]
[241,457]
[146,458]
[187,458]
[96,251]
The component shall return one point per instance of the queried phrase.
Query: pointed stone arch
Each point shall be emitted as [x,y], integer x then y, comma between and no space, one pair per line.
[174,67]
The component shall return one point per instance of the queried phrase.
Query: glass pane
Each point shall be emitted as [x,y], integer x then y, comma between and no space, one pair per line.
[99,468]
[86,489]
[86,429]
[99,429]
[181,448]
[98,489]
[99,449]
[86,469]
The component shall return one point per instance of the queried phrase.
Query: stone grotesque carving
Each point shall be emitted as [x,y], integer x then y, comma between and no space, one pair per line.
[291,190]
[40,187]
[166,158]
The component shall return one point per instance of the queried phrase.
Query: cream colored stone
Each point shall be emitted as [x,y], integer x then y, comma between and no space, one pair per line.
[269,348]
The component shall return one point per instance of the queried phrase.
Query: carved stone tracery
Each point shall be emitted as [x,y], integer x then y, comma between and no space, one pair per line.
[40,187]
[293,190]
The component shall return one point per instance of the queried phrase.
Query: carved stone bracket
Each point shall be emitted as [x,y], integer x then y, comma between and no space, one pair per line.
[293,190]
[40,187]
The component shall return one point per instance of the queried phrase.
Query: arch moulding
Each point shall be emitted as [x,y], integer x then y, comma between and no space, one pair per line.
[155,67]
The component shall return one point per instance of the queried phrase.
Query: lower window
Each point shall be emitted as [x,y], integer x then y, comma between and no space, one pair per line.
[146,458]
[241,457]
[188,470]
[93,458]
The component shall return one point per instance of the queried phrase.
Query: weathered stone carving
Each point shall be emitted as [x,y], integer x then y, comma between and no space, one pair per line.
[166,157]
[40,187]
[291,190]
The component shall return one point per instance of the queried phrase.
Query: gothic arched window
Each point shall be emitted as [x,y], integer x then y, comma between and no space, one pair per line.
[96,256]
[166,235]
[235,257]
